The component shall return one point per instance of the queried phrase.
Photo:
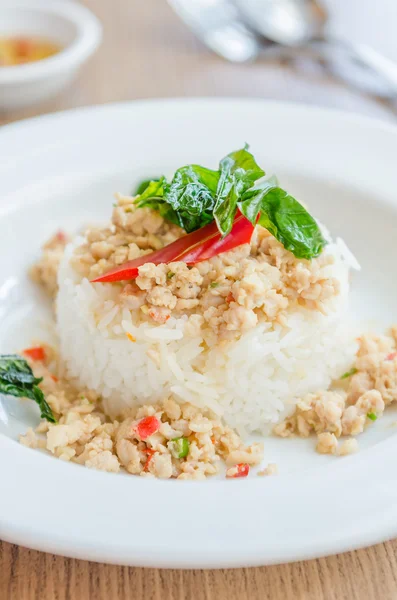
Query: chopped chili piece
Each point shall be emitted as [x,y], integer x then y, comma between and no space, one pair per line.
[147,426]
[240,470]
[391,356]
[61,237]
[149,452]
[229,298]
[54,378]
[36,353]
[158,317]
[193,248]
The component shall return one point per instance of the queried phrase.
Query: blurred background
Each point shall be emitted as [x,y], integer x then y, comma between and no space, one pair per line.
[149,49]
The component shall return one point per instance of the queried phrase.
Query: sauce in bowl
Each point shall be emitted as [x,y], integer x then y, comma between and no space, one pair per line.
[20,50]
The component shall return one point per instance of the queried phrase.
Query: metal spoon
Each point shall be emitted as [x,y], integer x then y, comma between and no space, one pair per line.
[296,23]
[287,22]
[218,24]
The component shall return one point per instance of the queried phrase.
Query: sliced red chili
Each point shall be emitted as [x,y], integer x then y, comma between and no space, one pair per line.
[193,248]
[240,470]
[147,427]
[391,356]
[241,233]
[36,353]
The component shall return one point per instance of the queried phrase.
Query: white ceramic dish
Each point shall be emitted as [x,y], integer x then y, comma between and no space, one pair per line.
[65,22]
[61,170]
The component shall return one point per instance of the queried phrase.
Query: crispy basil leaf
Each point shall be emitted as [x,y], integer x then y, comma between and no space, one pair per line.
[153,189]
[285,218]
[17,379]
[143,185]
[15,370]
[251,203]
[196,196]
[191,194]
[238,172]
[165,210]
[45,410]
[152,197]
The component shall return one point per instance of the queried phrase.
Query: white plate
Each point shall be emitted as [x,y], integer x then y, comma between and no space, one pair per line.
[61,170]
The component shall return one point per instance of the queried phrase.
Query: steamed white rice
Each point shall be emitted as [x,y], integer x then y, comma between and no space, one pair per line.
[252,382]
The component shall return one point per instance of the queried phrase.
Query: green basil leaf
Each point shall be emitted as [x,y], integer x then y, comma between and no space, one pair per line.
[143,185]
[196,196]
[251,203]
[153,189]
[15,370]
[238,172]
[164,209]
[191,194]
[45,409]
[152,197]
[292,225]
[17,379]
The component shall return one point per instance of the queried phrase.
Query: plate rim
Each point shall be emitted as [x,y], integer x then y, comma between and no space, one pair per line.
[339,113]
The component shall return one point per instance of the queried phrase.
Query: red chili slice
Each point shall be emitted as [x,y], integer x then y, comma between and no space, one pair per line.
[241,233]
[147,426]
[391,356]
[36,353]
[240,470]
[191,248]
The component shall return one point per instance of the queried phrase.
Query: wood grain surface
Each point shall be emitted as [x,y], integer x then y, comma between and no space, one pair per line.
[148,52]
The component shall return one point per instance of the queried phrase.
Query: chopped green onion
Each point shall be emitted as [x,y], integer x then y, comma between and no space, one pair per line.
[372,416]
[352,371]
[214,284]
[179,447]
[170,275]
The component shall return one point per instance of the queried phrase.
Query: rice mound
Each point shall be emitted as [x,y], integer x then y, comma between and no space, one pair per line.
[251,382]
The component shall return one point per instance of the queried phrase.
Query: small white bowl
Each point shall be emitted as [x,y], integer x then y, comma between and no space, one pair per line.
[64,22]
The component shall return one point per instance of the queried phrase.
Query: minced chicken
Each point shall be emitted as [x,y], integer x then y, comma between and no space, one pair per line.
[166,440]
[45,271]
[359,398]
[223,296]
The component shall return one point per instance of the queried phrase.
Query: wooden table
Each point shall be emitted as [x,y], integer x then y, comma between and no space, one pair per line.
[147,52]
